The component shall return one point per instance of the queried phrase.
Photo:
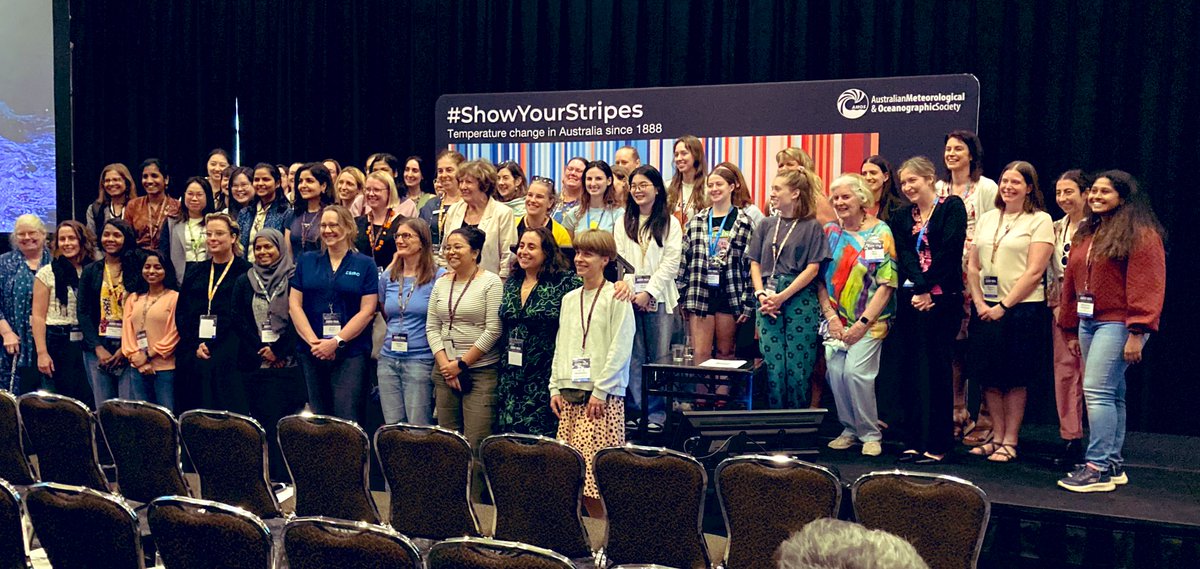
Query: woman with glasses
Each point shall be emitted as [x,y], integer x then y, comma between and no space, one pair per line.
[598,208]
[479,209]
[241,190]
[511,187]
[314,191]
[383,210]
[572,187]
[539,204]
[183,238]
[55,317]
[116,189]
[1070,192]
[17,274]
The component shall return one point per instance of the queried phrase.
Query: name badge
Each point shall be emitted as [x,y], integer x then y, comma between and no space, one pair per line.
[400,343]
[516,352]
[451,350]
[208,327]
[110,329]
[907,284]
[991,289]
[772,286]
[143,343]
[581,370]
[1085,305]
[873,251]
[268,335]
[712,277]
[76,334]
[640,282]
[331,325]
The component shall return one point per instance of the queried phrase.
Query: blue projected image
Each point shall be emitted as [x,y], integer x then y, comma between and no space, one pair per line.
[27,179]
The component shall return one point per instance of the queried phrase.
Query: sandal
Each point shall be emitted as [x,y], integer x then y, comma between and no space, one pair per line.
[985,449]
[1004,453]
[977,436]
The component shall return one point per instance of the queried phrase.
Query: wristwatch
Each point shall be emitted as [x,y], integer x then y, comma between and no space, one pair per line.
[462,365]
[340,342]
[865,321]
[760,293]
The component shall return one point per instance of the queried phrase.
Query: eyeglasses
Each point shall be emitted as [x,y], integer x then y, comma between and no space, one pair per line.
[406,236]
[644,186]
[543,179]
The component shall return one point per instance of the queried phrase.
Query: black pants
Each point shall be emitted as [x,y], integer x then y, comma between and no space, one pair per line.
[69,377]
[926,372]
[275,394]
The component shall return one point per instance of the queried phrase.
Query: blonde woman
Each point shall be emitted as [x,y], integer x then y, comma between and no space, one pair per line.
[348,187]
[383,208]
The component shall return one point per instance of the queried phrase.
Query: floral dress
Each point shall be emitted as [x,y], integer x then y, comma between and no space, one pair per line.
[16,305]
[523,400]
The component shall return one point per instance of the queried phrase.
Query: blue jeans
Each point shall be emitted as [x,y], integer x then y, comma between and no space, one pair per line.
[1103,347]
[406,390]
[651,342]
[158,388]
[105,384]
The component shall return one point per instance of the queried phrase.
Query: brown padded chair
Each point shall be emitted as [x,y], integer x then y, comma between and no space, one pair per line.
[428,473]
[144,440]
[201,534]
[14,465]
[537,488]
[655,503]
[63,433]
[80,527]
[943,517]
[767,498]
[323,543]
[481,553]
[229,452]
[328,459]
[12,529]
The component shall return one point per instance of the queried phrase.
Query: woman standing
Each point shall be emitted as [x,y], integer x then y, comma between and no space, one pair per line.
[147,214]
[332,302]
[479,209]
[183,238]
[406,362]
[1069,192]
[103,288]
[886,194]
[349,188]
[18,269]
[314,191]
[267,340]
[588,380]
[796,159]
[215,166]
[54,318]
[208,343]
[269,208]
[511,187]
[435,210]
[241,191]
[149,341]
[929,242]
[572,187]
[783,271]
[464,330]
[116,189]
[651,240]
[1012,328]
[413,178]
[683,197]
[599,208]
[1111,302]
[383,212]
[539,203]
[856,299]
[530,310]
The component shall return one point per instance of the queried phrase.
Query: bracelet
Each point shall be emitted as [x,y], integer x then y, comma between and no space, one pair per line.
[760,293]
[1001,303]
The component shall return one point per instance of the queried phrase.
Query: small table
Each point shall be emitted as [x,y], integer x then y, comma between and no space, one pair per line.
[667,378]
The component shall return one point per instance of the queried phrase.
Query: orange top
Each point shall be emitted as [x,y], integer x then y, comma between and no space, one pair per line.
[157,317]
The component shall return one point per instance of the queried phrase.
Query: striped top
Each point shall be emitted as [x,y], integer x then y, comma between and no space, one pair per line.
[476,317]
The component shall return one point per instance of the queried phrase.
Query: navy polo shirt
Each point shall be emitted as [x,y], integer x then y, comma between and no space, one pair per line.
[356,277]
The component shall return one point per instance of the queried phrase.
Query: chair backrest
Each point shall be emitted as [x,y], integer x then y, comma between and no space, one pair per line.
[63,433]
[14,465]
[482,553]
[537,487]
[328,459]
[655,503]
[229,452]
[201,534]
[80,527]
[428,472]
[144,440]
[321,543]
[767,498]
[943,517]
[12,530]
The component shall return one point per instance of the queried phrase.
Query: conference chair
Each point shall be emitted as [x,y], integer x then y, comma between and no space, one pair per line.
[428,473]
[229,452]
[81,527]
[655,503]
[63,433]
[765,499]
[328,459]
[536,485]
[323,543]
[943,517]
[14,465]
[202,534]
[144,440]
[12,529]
[483,553]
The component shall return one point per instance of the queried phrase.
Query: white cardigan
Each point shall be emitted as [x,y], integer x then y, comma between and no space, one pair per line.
[660,262]
[500,228]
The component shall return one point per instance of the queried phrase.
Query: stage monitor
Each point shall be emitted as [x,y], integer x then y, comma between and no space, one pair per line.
[791,431]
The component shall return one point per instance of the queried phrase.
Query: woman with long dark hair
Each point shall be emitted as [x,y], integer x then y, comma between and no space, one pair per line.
[241,190]
[598,208]
[268,209]
[413,178]
[147,214]
[103,288]
[150,337]
[314,191]
[511,186]
[685,194]
[880,179]
[55,318]
[217,163]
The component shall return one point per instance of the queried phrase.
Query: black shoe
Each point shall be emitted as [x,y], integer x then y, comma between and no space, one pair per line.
[926,460]
[1070,454]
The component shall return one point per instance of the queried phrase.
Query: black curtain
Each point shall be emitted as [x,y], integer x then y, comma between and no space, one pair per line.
[1075,83]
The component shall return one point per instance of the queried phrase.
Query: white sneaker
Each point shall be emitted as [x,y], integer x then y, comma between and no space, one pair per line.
[872,448]
[843,442]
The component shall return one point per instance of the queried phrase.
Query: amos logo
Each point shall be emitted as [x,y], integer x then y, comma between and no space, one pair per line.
[853,103]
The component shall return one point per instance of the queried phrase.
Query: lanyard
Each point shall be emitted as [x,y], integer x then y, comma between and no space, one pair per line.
[996,240]
[162,214]
[714,237]
[644,238]
[404,298]
[925,223]
[453,306]
[267,293]
[146,306]
[775,247]
[588,216]
[587,324]
[212,290]
[1087,281]
[192,238]
[116,288]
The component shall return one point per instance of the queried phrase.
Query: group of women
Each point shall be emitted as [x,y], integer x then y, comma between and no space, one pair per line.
[500,304]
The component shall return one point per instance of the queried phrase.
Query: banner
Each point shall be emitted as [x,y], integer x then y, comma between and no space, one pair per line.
[839,123]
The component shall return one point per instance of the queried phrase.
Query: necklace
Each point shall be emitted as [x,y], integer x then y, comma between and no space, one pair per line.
[305,223]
